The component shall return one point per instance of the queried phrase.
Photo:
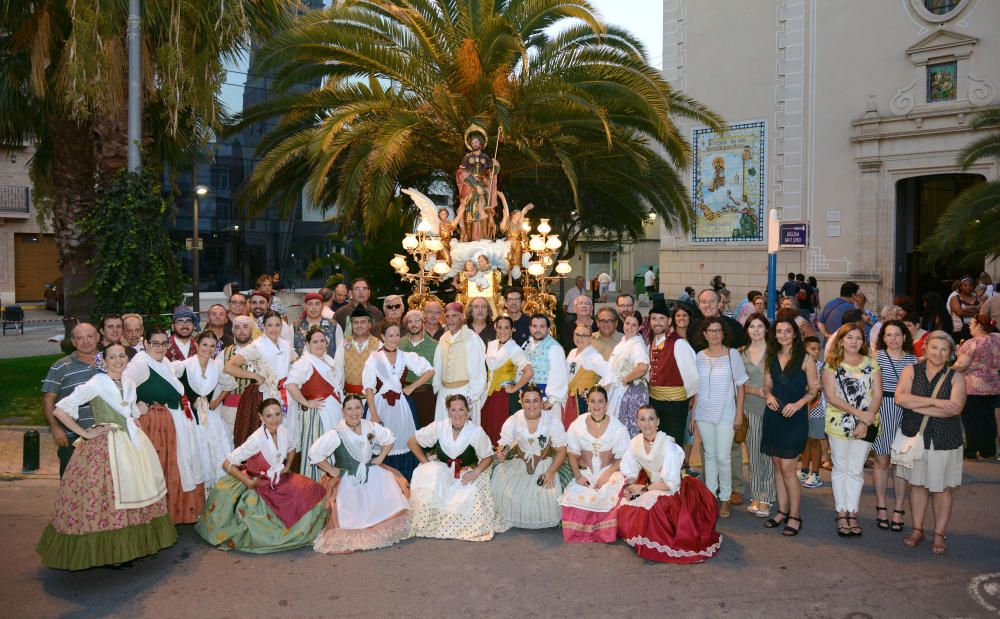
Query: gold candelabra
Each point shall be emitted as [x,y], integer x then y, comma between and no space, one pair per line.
[423,247]
[543,269]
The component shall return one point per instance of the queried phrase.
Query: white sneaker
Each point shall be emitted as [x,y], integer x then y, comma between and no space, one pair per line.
[812,481]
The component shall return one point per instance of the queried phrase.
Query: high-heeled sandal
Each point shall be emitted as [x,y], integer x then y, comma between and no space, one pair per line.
[789,531]
[882,523]
[936,548]
[856,529]
[771,523]
[897,527]
[842,531]
[913,539]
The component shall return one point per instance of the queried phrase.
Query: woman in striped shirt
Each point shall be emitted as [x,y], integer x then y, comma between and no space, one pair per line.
[895,352]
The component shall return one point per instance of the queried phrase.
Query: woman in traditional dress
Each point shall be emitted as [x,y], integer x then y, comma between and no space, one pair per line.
[596,443]
[894,344]
[585,367]
[382,379]
[111,507]
[261,506]
[509,371]
[530,477]
[366,500]
[665,518]
[273,356]
[316,384]
[170,427]
[199,374]
[450,494]
[627,385]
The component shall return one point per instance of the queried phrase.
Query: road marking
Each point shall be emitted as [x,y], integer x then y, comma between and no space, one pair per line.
[985,590]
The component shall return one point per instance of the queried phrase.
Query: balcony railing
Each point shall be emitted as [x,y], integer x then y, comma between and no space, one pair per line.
[15,199]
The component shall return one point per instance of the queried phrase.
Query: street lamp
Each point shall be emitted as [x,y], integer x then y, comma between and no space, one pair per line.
[200,191]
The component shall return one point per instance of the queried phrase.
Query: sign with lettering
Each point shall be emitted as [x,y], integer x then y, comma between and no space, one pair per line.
[794,236]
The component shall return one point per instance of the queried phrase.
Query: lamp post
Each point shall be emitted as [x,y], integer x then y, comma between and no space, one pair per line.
[772,264]
[199,191]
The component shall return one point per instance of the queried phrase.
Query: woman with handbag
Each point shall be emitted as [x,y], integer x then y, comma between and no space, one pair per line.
[790,383]
[936,423]
[852,384]
[895,353]
[754,356]
[718,407]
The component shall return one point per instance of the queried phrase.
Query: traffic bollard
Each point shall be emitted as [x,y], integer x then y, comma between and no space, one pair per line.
[31,451]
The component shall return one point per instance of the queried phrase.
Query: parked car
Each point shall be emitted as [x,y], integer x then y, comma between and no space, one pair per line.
[54,296]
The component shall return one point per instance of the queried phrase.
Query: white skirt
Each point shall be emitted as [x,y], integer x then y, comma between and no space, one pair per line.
[591,500]
[519,498]
[399,420]
[360,506]
[444,507]
[936,471]
[188,459]
[215,442]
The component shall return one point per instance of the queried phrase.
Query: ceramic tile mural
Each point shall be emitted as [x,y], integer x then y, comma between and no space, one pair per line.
[942,82]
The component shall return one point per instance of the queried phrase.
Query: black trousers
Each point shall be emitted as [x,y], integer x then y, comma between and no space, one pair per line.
[980,425]
[673,417]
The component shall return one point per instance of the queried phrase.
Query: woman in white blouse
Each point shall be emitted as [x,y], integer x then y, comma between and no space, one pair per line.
[316,383]
[718,408]
[508,371]
[531,451]
[261,506]
[366,499]
[382,379]
[627,384]
[666,518]
[450,493]
[273,357]
[596,442]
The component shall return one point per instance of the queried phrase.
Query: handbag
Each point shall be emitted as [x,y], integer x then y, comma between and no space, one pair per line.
[907,450]
[872,432]
[740,436]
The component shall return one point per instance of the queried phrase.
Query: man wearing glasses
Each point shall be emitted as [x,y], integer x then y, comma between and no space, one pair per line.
[606,337]
[360,294]
[393,308]
[237,306]
[180,347]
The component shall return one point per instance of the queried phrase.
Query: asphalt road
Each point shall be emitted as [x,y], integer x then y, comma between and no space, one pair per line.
[533,573]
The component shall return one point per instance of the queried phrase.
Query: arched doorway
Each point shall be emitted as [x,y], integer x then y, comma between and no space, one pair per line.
[919,203]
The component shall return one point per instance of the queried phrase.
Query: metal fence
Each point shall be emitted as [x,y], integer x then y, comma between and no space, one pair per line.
[15,199]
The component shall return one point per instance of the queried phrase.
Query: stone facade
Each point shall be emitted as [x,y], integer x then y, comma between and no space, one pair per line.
[14,181]
[843,88]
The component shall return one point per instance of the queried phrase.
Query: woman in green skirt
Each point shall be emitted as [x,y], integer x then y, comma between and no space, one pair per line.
[261,506]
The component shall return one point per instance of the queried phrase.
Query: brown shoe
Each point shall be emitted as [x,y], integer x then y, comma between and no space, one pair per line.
[724,509]
[736,498]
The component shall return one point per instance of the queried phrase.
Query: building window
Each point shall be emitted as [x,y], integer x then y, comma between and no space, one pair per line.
[941,7]
[942,82]
[220,178]
[223,209]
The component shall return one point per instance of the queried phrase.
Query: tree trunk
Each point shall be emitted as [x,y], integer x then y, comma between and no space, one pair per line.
[73,198]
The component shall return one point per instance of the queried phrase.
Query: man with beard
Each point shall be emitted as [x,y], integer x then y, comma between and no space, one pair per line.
[625,305]
[63,378]
[459,364]
[514,298]
[112,329]
[360,294]
[314,318]
[133,333]
[359,347]
[673,374]
[433,320]
[708,303]
[549,364]
[606,337]
[180,347]
[242,338]
[416,340]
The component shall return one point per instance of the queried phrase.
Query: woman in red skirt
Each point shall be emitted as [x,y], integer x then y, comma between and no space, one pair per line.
[509,371]
[664,518]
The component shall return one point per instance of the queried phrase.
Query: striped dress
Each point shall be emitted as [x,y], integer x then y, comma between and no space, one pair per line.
[890,413]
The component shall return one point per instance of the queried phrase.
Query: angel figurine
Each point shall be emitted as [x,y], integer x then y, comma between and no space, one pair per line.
[445,229]
[480,279]
[511,228]
[476,179]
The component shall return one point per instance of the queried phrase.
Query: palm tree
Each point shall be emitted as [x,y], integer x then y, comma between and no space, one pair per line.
[968,227]
[63,81]
[588,132]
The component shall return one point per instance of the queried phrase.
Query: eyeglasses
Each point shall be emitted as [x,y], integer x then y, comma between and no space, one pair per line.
[360,288]
[581,335]
[713,331]
[605,320]
[394,306]
[158,344]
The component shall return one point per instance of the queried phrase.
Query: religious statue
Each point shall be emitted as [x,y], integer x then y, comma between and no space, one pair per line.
[477,188]
[511,228]
[480,279]
[445,229]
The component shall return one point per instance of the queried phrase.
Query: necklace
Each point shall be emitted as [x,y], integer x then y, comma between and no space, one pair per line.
[649,441]
[599,421]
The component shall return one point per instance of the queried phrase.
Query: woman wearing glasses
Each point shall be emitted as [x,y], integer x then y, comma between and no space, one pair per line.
[718,407]
[170,427]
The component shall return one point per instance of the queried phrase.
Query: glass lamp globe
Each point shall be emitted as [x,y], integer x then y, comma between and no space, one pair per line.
[563,267]
[434,244]
[536,243]
[442,267]
[544,226]
[424,226]
[410,242]
[553,242]
[397,262]
[536,269]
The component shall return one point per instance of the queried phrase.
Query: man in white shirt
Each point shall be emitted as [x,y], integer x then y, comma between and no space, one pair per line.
[571,296]
[459,364]
[649,279]
[548,361]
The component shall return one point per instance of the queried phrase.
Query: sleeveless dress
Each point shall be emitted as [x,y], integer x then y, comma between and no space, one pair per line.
[786,437]
[890,413]
[761,468]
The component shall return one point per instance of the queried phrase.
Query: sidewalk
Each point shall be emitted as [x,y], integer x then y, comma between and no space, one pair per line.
[11,454]
[39,326]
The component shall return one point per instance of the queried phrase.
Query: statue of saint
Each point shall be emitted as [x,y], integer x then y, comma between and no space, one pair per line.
[476,178]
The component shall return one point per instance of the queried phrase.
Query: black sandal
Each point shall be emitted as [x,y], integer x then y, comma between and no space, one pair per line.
[789,531]
[897,527]
[842,531]
[771,523]
[856,529]
[882,523]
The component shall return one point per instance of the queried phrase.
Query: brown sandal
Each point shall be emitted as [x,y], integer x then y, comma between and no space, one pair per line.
[936,548]
[914,538]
